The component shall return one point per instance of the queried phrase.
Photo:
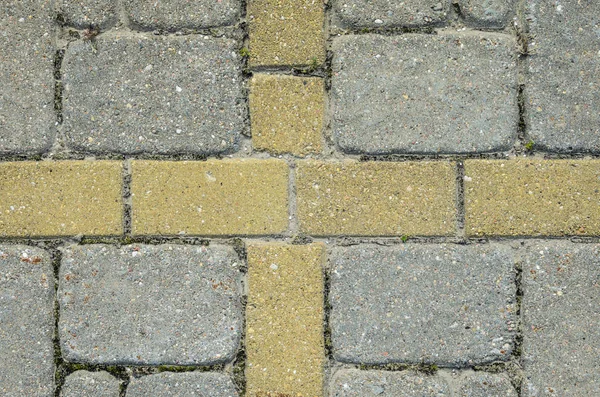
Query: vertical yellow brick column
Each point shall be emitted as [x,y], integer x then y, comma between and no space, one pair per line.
[285,346]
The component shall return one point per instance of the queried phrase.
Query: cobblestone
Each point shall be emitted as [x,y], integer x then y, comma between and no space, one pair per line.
[356,14]
[355,383]
[85,14]
[487,13]
[90,384]
[168,384]
[481,384]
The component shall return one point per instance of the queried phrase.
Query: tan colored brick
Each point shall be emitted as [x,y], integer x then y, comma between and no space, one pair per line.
[61,198]
[287,113]
[376,198]
[285,343]
[286,32]
[532,197]
[215,197]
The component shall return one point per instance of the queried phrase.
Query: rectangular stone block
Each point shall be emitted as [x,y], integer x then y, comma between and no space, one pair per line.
[376,198]
[216,197]
[86,14]
[358,14]
[169,384]
[562,90]
[532,197]
[149,304]
[449,305]
[62,198]
[429,94]
[153,94]
[487,13]
[90,384]
[356,383]
[284,320]
[26,322]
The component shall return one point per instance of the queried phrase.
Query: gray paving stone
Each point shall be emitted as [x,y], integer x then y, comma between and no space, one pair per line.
[487,13]
[355,14]
[356,383]
[90,384]
[149,304]
[561,314]
[26,322]
[415,93]
[450,305]
[27,115]
[183,384]
[182,14]
[481,384]
[562,91]
[84,14]
[153,94]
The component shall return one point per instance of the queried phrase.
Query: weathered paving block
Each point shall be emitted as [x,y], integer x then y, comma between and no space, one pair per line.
[562,91]
[211,198]
[356,383]
[376,198]
[481,384]
[286,32]
[561,296]
[415,93]
[26,322]
[63,198]
[90,384]
[84,14]
[355,14]
[287,113]
[284,340]
[26,76]
[487,13]
[450,305]
[145,304]
[154,94]
[532,197]
[184,384]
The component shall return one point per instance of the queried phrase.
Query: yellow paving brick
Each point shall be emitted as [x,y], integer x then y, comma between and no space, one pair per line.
[216,197]
[284,342]
[286,113]
[62,198]
[532,197]
[376,198]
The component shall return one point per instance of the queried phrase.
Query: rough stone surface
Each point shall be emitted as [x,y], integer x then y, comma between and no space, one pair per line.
[415,93]
[182,14]
[185,384]
[450,305]
[376,198]
[210,198]
[26,76]
[286,32]
[85,14]
[149,304]
[355,14]
[284,326]
[26,322]
[481,384]
[153,94]
[287,114]
[562,92]
[487,13]
[561,297]
[63,198]
[356,383]
[90,384]
[532,197]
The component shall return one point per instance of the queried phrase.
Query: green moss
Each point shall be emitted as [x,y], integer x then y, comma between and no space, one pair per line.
[529,145]
[244,52]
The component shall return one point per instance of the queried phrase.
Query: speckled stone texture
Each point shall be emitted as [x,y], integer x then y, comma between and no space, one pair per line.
[355,383]
[153,94]
[430,94]
[149,304]
[90,384]
[449,305]
[185,384]
[356,14]
[561,297]
[26,322]
[85,14]
[481,384]
[487,13]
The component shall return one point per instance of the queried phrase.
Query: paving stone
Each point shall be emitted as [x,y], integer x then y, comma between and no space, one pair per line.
[415,93]
[355,14]
[84,14]
[487,13]
[244,196]
[481,384]
[184,384]
[561,297]
[356,383]
[26,322]
[153,94]
[149,304]
[284,339]
[287,113]
[26,76]
[182,14]
[531,197]
[90,384]
[450,305]
[562,91]
[376,198]
[62,198]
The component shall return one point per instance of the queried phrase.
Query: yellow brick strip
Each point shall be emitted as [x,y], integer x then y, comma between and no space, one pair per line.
[376,198]
[63,198]
[285,346]
[287,114]
[286,32]
[531,197]
[216,197]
